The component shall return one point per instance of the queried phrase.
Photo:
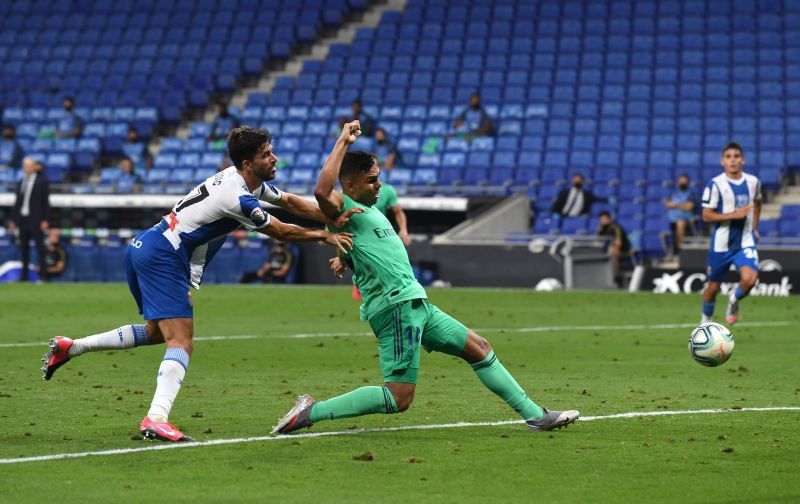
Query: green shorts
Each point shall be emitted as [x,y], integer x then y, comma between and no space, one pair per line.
[405,326]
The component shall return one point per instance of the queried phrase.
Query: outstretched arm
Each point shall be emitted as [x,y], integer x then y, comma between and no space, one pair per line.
[290,232]
[298,206]
[329,200]
[302,208]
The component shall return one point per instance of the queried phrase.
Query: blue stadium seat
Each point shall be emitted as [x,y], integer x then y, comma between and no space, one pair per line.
[431,160]
[425,176]
[768,227]
[400,176]
[83,258]
[790,212]
[472,175]
[501,175]
[450,175]
[526,176]
[630,209]
[226,264]
[575,225]
[449,159]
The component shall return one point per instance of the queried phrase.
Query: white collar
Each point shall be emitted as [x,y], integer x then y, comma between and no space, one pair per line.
[738,181]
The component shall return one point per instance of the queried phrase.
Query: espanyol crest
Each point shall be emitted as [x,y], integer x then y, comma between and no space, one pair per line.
[257,215]
[742,200]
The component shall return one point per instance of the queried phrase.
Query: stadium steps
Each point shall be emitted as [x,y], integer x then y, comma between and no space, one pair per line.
[509,216]
[787,195]
[345,34]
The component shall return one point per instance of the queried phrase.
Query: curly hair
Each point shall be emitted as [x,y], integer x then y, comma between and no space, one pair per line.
[244,142]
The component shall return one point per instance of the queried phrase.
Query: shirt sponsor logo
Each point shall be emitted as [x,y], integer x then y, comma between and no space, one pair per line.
[384,232]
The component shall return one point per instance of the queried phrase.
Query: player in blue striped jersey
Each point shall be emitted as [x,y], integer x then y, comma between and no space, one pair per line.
[163,261]
[732,202]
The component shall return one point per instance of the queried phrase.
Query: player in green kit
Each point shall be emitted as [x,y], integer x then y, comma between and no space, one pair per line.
[397,308]
[387,200]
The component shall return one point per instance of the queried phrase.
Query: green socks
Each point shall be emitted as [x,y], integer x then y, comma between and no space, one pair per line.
[492,374]
[362,401]
[368,400]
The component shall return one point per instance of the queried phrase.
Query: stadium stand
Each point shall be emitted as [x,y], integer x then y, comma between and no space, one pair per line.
[634,93]
[136,64]
[628,93]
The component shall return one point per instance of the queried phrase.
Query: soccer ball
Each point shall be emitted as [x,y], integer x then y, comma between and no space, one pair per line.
[711,344]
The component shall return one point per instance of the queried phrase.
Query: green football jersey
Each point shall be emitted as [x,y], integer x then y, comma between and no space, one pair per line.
[387,198]
[379,261]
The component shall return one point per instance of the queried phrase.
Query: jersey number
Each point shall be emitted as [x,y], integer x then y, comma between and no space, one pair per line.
[410,334]
[192,198]
[751,254]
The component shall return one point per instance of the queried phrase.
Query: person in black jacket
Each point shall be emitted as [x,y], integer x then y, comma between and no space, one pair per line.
[31,213]
[575,201]
[619,246]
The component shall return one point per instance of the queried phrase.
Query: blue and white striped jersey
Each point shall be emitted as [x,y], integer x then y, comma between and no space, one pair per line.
[199,223]
[725,195]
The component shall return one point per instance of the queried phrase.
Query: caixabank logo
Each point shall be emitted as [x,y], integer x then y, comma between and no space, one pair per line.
[677,282]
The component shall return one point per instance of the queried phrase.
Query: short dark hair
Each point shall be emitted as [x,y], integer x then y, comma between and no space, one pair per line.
[68,98]
[356,162]
[733,145]
[244,142]
[606,213]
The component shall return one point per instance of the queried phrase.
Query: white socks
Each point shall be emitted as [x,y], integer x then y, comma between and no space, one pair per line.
[122,337]
[170,372]
[170,377]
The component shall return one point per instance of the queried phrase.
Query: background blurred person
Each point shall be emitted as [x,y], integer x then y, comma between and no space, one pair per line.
[30,214]
[277,267]
[680,207]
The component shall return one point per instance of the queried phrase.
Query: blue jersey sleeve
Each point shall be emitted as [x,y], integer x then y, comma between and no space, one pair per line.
[252,216]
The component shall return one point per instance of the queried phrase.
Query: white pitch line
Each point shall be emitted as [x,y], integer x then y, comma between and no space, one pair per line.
[214,442]
[535,329]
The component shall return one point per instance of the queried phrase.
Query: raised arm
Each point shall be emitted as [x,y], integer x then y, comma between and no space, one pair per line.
[329,200]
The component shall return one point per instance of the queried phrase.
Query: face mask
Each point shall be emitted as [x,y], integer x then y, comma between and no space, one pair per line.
[683,187]
[8,136]
[476,106]
[577,185]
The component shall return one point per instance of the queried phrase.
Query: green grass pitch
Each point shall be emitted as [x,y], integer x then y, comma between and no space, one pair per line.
[237,386]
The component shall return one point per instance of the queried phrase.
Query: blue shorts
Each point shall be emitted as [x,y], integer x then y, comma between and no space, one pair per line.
[720,262]
[158,276]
